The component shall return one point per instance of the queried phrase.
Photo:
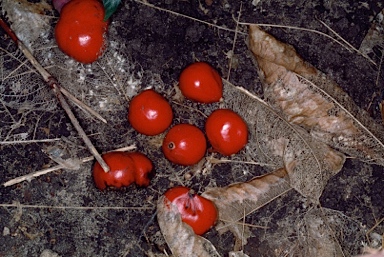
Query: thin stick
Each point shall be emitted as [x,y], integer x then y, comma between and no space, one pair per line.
[234,43]
[223,160]
[71,97]
[54,84]
[29,141]
[18,205]
[146,3]
[81,105]
[33,175]
[38,173]
[345,45]
[346,42]
[372,228]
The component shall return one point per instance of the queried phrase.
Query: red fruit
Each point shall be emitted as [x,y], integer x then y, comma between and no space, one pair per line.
[121,173]
[80,31]
[226,131]
[150,113]
[125,168]
[143,167]
[184,144]
[201,83]
[195,210]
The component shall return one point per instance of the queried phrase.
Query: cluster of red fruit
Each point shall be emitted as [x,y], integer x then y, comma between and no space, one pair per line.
[184,144]
[80,33]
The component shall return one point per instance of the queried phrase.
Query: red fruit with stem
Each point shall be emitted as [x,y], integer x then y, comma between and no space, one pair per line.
[195,210]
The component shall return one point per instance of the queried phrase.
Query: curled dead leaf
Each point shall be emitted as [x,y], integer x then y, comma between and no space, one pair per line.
[308,98]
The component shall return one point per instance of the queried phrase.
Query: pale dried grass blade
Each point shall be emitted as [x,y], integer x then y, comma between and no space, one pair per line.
[179,236]
[308,98]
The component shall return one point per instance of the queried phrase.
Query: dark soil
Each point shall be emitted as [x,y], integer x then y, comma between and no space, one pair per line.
[65,213]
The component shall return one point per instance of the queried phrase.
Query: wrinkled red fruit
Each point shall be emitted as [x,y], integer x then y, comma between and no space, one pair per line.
[125,169]
[195,210]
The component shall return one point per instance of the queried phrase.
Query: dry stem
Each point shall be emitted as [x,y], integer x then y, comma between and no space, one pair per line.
[35,174]
[53,83]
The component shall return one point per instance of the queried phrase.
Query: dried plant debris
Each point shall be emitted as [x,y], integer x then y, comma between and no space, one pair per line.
[373,43]
[179,236]
[326,232]
[308,98]
[279,144]
[28,19]
[236,201]
[237,254]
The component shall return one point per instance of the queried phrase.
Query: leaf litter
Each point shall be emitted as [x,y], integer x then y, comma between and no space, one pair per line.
[305,117]
[308,98]
[294,148]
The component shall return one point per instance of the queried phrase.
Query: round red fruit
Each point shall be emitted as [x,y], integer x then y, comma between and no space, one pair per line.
[195,210]
[143,166]
[200,82]
[81,30]
[226,131]
[150,113]
[121,173]
[184,144]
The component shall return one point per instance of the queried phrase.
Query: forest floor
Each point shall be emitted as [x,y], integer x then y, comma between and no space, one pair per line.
[149,45]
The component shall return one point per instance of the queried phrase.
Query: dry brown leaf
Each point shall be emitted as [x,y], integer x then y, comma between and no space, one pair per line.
[180,237]
[236,201]
[308,98]
[277,143]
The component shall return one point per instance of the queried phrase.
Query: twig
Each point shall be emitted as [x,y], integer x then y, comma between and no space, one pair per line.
[234,43]
[18,205]
[35,174]
[71,97]
[223,160]
[54,84]
[373,228]
[342,43]
[187,17]
[81,105]
[29,141]
[347,43]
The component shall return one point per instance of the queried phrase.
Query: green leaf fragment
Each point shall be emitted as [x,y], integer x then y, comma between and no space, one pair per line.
[110,7]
